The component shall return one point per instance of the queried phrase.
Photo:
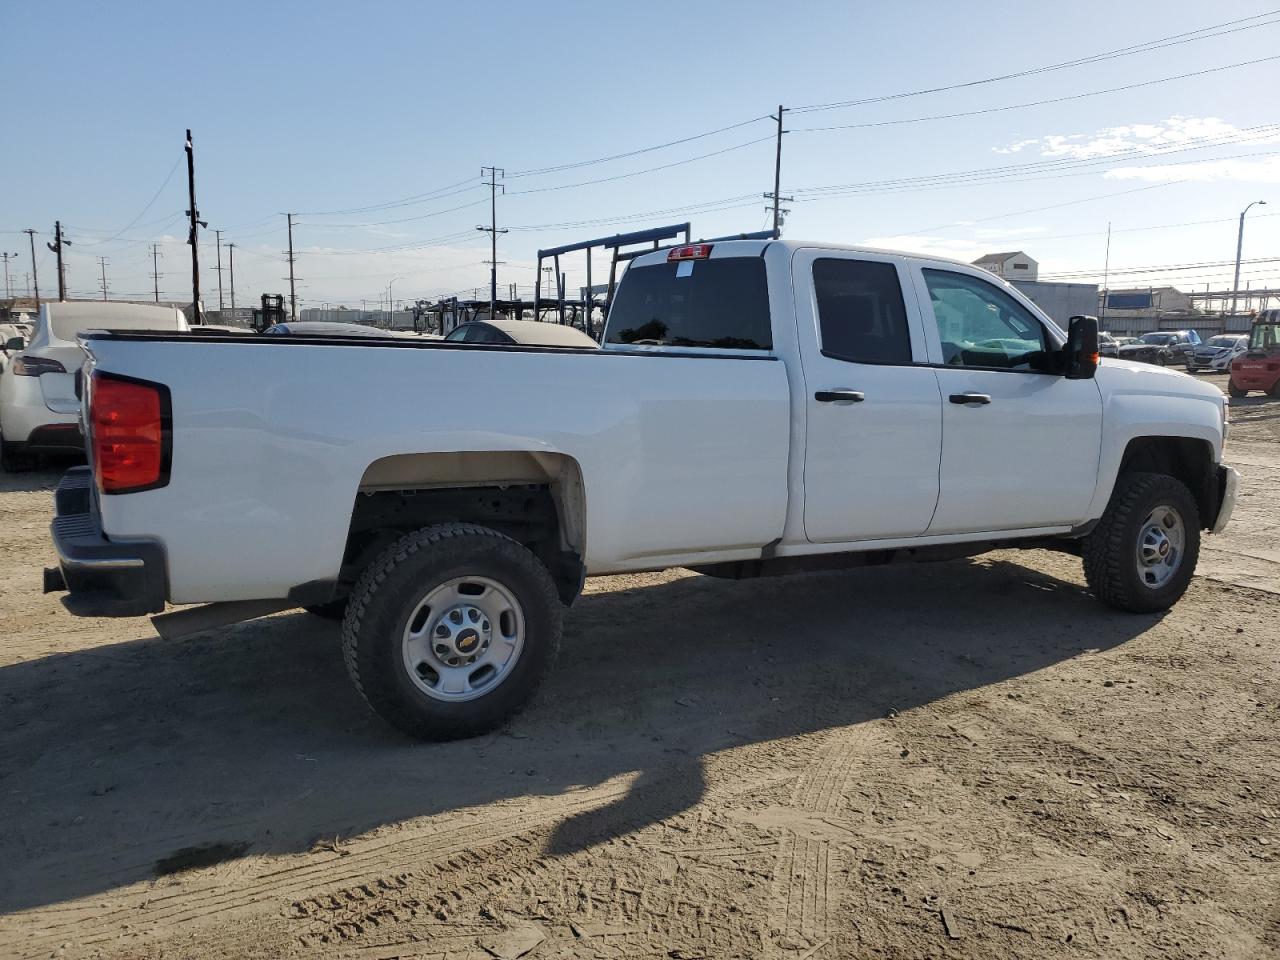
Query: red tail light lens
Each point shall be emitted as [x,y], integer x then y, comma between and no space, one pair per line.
[130,431]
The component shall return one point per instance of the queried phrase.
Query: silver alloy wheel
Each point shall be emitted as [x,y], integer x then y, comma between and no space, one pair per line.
[463,639]
[1160,546]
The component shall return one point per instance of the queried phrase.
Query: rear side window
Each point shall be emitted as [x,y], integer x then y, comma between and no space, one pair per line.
[860,311]
[694,303]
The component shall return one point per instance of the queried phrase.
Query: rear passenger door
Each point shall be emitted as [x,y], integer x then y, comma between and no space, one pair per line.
[873,415]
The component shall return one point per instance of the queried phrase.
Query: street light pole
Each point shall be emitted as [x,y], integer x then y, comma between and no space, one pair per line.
[1235,285]
[391,307]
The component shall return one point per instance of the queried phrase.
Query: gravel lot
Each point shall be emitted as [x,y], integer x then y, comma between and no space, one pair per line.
[969,759]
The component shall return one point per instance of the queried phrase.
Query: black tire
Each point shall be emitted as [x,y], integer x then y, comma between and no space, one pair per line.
[11,461]
[391,590]
[1162,359]
[1235,391]
[1111,551]
[333,610]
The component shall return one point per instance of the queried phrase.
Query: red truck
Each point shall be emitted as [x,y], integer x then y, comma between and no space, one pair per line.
[1259,367]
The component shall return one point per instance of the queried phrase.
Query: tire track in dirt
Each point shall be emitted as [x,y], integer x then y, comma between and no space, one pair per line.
[800,905]
[200,897]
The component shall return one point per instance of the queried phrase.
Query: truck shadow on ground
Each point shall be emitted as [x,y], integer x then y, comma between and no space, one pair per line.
[44,478]
[118,759]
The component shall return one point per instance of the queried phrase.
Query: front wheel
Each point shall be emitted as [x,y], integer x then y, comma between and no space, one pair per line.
[450,630]
[1235,391]
[1142,554]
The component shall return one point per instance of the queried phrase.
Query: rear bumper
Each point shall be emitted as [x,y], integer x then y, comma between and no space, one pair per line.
[1228,484]
[102,578]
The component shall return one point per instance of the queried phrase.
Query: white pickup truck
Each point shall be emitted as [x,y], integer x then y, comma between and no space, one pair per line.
[756,407]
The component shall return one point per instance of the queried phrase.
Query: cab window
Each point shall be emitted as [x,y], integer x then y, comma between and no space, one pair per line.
[860,311]
[982,326]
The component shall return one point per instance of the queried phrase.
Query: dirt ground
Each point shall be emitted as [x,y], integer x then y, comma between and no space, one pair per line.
[969,759]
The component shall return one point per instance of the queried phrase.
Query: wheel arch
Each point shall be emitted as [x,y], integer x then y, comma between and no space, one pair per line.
[1188,459]
[535,497]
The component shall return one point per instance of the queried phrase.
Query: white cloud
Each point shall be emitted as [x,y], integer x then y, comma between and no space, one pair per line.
[1249,171]
[1140,137]
[963,249]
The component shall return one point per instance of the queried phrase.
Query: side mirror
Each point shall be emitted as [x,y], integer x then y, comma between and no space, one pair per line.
[15,343]
[1082,348]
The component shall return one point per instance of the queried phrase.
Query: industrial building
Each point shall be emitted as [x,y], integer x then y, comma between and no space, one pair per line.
[1009,266]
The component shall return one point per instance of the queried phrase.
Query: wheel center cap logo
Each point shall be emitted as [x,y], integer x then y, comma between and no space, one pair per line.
[467,641]
[1164,549]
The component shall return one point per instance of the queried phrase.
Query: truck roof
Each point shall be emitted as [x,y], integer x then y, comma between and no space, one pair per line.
[754,248]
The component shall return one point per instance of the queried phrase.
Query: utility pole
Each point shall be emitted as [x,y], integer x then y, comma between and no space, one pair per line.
[293,296]
[155,268]
[8,287]
[31,235]
[218,235]
[776,196]
[1106,269]
[231,257]
[493,231]
[56,247]
[102,263]
[194,237]
[1235,285]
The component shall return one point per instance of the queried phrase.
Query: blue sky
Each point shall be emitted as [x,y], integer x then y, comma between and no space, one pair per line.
[318,107]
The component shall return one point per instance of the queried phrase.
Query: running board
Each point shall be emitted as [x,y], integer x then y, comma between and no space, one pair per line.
[181,623]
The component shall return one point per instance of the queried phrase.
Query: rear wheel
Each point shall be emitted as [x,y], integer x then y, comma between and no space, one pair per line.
[1235,391]
[450,630]
[1142,554]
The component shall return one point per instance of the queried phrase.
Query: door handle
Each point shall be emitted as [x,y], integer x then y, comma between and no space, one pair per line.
[975,398]
[839,395]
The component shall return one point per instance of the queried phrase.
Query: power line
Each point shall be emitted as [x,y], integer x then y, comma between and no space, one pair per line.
[634,153]
[1032,103]
[636,173]
[1143,47]
[1052,206]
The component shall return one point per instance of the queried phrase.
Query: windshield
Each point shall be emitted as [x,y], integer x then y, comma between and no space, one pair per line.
[694,303]
[1157,337]
[1264,336]
[1223,341]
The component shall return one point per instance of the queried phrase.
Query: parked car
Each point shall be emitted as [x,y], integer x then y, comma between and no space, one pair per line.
[526,332]
[1217,352]
[321,328]
[1259,367]
[13,340]
[756,408]
[1162,348]
[1108,346]
[39,405]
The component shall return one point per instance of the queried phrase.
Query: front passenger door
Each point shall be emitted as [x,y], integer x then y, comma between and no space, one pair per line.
[1020,445]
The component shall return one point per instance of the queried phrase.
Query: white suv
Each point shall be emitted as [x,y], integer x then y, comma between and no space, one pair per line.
[39,409]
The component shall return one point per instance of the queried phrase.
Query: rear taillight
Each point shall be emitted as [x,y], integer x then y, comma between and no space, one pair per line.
[130,432]
[34,366]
